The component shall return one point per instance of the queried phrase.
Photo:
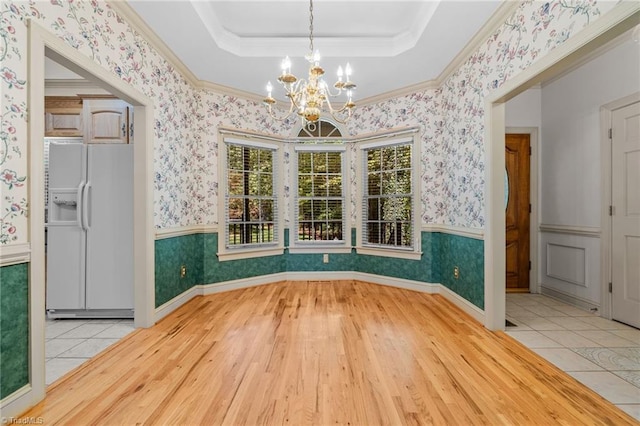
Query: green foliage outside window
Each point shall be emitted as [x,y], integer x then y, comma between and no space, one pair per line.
[388,196]
[250,195]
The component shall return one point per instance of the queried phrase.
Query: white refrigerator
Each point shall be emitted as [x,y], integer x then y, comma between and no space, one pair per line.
[90,231]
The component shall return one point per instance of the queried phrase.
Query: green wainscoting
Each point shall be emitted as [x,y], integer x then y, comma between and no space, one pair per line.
[14,328]
[171,254]
[441,252]
[468,255]
[216,272]
[423,270]
[338,262]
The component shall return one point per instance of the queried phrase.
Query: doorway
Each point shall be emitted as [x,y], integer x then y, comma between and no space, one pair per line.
[88,167]
[561,59]
[625,214]
[43,43]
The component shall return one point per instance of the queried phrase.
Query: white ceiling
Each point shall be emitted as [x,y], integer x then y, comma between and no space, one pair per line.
[389,44]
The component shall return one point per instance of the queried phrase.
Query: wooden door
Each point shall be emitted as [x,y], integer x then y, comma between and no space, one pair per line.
[517,204]
[625,220]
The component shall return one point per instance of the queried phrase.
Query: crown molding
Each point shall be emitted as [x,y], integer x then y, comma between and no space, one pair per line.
[137,24]
[397,93]
[125,11]
[499,17]
[229,91]
[69,84]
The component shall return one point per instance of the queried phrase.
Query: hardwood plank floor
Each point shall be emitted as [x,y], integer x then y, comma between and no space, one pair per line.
[320,353]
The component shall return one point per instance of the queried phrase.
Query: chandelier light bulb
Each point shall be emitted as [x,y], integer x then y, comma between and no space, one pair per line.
[269,88]
[340,73]
[316,57]
[348,70]
[286,65]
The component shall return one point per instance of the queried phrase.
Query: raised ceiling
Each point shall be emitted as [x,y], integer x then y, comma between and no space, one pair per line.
[390,45]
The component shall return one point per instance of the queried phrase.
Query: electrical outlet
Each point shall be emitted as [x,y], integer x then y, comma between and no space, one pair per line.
[325,258]
[183,271]
[456,272]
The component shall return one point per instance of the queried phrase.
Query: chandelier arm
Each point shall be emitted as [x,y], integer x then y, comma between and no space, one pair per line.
[341,120]
[337,111]
[328,90]
[272,115]
[294,105]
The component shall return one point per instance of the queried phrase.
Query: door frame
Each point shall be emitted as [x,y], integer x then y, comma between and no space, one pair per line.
[43,43]
[623,17]
[606,221]
[534,199]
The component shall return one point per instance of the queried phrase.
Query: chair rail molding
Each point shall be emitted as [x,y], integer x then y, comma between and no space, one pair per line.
[181,231]
[13,254]
[476,233]
[583,231]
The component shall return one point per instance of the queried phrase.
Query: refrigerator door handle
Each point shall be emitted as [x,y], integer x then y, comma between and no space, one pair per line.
[80,205]
[85,205]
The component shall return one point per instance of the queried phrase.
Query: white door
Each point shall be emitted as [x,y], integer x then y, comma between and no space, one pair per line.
[625,183]
[110,227]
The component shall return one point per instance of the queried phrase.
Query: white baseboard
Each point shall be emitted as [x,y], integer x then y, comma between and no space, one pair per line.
[431,288]
[570,299]
[398,282]
[15,404]
[243,283]
[173,304]
[462,303]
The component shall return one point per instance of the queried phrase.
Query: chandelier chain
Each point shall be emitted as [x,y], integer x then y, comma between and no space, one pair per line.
[311,26]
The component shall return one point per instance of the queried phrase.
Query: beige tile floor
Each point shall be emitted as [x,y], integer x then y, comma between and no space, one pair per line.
[71,342]
[604,355]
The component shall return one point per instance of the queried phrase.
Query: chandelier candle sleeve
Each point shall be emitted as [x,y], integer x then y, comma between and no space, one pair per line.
[309,98]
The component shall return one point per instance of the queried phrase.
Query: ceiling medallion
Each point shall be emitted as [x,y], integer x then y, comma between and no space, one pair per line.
[308,98]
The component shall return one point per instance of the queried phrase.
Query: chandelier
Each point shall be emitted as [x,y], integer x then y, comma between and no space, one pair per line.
[308,98]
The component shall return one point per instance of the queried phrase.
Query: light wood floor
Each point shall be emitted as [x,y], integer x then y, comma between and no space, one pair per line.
[321,353]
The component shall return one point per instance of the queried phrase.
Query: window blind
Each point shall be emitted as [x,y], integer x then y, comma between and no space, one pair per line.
[320,197]
[251,197]
[387,208]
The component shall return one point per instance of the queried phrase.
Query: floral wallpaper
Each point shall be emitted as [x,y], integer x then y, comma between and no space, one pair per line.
[186,118]
[452,117]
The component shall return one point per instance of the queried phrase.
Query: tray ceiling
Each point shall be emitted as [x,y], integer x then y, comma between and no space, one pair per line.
[389,44]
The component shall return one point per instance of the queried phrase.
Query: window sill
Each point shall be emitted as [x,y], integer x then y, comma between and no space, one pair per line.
[249,254]
[400,254]
[319,249]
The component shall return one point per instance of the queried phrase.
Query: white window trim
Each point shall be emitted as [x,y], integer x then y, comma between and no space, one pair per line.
[251,251]
[415,252]
[305,247]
